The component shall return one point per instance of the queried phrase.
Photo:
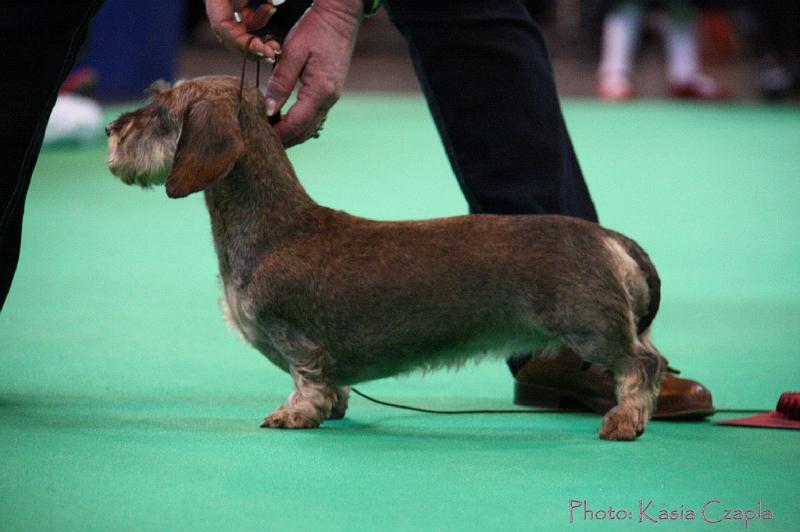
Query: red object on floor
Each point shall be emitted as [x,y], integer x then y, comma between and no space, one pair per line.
[785,416]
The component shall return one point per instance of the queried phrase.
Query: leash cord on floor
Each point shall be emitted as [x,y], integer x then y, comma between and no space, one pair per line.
[432,411]
[519,411]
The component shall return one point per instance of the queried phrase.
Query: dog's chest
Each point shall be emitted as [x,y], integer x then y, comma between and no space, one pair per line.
[239,314]
[239,317]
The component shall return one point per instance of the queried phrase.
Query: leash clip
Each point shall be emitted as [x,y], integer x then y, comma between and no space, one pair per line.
[274,119]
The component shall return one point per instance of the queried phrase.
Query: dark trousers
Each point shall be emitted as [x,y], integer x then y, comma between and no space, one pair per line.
[38,44]
[486,74]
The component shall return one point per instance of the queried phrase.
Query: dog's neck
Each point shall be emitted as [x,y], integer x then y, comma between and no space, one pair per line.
[259,206]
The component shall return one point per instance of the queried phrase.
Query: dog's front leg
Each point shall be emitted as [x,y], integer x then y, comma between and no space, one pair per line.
[314,399]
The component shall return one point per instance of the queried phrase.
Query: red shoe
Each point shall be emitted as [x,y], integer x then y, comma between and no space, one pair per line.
[700,87]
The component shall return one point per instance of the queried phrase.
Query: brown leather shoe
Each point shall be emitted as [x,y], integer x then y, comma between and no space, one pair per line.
[568,382]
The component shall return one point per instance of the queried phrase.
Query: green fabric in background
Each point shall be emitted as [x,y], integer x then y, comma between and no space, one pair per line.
[126,404]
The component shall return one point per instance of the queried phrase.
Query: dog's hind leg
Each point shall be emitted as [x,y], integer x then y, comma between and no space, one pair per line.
[314,399]
[637,368]
[638,380]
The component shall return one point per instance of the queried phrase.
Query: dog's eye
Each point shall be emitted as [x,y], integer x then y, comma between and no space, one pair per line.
[158,119]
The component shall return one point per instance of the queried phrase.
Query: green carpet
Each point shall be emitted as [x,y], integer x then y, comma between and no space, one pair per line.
[126,404]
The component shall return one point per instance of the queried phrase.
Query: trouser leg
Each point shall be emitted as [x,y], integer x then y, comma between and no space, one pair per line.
[39,41]
[487,78]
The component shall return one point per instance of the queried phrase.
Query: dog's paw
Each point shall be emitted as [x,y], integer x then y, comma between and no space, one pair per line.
[337,412]
[283,418]
[621,425]
[340,403]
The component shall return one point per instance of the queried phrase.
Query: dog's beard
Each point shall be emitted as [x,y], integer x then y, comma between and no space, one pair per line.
[149,166]
[148,180]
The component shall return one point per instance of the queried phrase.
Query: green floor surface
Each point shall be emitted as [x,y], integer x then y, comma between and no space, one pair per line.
[126,404]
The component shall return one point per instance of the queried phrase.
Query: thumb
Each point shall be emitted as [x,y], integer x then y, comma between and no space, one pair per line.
[284,77]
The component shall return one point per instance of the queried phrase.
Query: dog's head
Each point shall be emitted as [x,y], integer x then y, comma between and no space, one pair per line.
[186,136]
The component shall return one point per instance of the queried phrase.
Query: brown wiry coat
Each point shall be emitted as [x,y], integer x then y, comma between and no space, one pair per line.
[335,299]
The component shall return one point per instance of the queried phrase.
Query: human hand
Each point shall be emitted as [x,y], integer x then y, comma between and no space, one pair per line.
[237,35]
[316,53]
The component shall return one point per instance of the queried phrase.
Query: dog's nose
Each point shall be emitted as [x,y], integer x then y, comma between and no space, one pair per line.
[108,129]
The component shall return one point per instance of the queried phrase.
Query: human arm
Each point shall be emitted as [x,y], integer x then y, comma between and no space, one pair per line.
[316,54]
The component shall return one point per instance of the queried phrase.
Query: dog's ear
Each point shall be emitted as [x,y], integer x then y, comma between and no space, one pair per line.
[209,145]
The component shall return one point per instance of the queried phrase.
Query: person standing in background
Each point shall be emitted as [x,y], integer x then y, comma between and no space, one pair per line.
[622,28]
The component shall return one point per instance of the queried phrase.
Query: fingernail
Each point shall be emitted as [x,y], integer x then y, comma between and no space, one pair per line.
[276,3]
[270,106]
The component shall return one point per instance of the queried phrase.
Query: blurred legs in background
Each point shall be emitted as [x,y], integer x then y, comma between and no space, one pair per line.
[622,28]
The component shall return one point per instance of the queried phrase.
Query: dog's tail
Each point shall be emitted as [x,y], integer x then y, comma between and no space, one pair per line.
[651,278]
